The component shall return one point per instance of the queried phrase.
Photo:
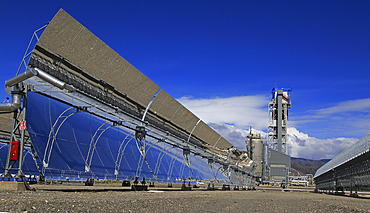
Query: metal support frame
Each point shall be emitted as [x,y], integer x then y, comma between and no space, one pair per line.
[150,103]
[158,132]
[143,145]
[160,157]
[186,155]
[27,53]
[93,143]
[277,120]
[120,155]
[53,135]
[140,134]
[172,164]
[17,125]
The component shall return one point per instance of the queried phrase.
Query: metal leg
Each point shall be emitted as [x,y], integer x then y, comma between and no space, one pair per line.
[8,166]
[21,128]
[23,132]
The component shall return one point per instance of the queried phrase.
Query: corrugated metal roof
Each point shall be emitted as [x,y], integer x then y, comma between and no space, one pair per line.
[360,147]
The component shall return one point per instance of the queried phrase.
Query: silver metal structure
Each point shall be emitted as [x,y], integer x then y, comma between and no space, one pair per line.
[71,65]
[277,119]
[350,170]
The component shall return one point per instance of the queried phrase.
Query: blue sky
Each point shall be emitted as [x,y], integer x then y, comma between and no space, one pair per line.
[230,53]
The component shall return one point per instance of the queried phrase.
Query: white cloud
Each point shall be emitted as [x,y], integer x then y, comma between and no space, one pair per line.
[231,118]
[303,146]
[359,105]
[299,144]
[344,119]
[241,111]
[234,135]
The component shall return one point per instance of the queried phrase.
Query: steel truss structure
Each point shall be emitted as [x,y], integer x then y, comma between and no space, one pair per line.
[349,171]
[85,126]
[278,119]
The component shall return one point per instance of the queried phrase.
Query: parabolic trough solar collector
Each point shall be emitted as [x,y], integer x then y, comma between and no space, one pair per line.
[80,135]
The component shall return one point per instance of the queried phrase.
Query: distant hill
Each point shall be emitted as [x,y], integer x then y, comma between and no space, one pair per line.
[308,161]
[306,166]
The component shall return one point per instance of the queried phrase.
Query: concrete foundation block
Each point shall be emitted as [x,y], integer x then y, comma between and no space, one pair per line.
[139,188]
[185,188]
[12,186]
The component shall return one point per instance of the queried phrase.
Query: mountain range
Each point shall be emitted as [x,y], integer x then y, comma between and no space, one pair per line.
[301,166]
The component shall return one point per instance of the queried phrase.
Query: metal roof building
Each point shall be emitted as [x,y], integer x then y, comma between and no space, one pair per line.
[350,170]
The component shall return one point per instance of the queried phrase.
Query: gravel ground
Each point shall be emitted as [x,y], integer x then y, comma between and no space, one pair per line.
[88,199]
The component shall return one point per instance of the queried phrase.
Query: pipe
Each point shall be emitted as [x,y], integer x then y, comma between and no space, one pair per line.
[50,79]
[16,101]
[19,78]
[17,94]
[44,76]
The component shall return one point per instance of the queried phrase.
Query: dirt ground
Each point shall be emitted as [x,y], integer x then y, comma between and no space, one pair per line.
[115,198]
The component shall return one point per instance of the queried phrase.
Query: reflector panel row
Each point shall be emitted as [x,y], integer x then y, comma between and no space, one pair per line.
[71,40]
[168,107]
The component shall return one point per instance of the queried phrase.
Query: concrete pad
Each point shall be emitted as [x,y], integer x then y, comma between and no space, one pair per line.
[12,186]
[139,188]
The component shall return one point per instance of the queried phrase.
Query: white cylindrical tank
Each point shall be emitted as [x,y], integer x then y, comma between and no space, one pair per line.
[257,157]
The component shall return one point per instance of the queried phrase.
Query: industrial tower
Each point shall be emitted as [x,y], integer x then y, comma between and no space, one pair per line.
[277,119]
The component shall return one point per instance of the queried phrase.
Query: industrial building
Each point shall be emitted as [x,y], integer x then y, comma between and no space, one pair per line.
[271,159]
[278,161]
[348,171]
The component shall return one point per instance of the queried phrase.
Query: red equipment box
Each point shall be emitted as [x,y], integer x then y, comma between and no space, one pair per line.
[14,150]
